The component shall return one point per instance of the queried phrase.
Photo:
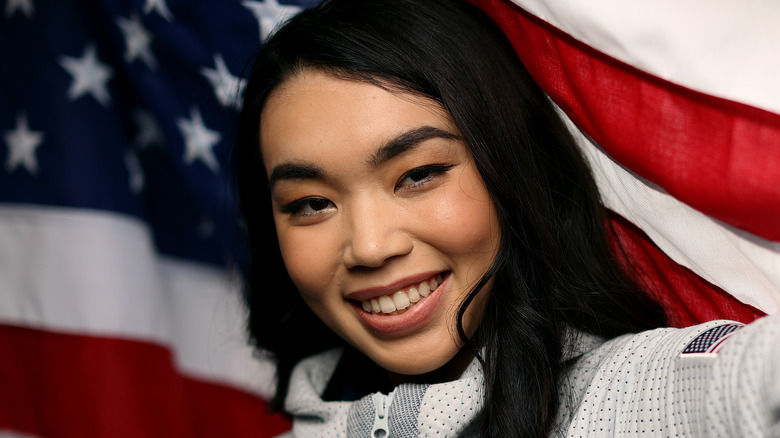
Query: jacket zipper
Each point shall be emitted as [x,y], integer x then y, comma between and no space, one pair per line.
[382,408]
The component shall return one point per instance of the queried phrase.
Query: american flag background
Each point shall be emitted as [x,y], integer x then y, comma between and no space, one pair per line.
[677,109]
[120,310]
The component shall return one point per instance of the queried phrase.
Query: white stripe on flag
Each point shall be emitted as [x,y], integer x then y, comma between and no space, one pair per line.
[746,266]
[722,48]
[209,319]
[94,273]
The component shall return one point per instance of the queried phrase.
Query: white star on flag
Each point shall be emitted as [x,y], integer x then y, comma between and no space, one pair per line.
[25,6]
[270,14]
[137,40]
[160,6]
[226,87]
[136,172]
[199,140]
[149,132]
[22,144]
[89,75]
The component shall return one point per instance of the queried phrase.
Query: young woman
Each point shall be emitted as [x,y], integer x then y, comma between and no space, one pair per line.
[429,253]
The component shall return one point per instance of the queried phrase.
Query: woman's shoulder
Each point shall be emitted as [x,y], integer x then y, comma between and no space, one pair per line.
[629,353]
[671,379]
[664,341]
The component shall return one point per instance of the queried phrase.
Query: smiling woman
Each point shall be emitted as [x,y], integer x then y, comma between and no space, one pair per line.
[383,221]
[429,252]
[395,173]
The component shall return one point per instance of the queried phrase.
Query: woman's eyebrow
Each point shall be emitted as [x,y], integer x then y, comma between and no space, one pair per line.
[407,141]
[294,171]
[393,148]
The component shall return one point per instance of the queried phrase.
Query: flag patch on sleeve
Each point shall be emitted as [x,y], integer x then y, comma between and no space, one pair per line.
[711,340]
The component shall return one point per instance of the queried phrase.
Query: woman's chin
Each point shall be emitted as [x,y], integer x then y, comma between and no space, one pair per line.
[427,369]
[411,370]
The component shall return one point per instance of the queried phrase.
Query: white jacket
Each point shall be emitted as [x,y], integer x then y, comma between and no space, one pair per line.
[718,379]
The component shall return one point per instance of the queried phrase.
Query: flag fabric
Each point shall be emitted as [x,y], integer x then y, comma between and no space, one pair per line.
[675,104]
[120,306]
[120,310]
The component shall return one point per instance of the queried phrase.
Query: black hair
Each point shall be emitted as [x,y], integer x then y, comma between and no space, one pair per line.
[555,268]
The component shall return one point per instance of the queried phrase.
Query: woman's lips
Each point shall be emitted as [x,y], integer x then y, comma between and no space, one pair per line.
[400,299]
[395,323]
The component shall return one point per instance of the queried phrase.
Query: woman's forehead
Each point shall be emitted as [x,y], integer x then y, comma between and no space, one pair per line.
[314,114]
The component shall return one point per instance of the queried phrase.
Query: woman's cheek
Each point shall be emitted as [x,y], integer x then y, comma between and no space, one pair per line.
[468,213]
[310,258]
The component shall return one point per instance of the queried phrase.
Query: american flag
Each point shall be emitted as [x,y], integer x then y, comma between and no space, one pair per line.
[120,312]
[675,104]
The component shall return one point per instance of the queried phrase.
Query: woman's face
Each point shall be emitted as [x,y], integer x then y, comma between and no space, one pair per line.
[383,220]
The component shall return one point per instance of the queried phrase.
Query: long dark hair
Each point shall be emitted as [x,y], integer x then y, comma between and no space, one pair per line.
[555,269]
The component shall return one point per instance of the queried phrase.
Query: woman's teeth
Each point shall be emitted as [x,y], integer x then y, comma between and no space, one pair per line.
[402,299]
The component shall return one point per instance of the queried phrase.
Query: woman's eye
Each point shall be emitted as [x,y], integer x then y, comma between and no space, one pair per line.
[421,175]
[307,206]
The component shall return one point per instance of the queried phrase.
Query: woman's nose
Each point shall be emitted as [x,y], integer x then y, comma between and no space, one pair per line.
[375,234]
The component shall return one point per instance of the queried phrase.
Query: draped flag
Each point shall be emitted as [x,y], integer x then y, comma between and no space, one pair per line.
[677,109]
[120,308]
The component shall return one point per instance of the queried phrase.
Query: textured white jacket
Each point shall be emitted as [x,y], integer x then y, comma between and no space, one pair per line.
[718,379]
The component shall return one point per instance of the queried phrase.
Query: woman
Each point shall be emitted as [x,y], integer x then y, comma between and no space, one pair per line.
[413,198]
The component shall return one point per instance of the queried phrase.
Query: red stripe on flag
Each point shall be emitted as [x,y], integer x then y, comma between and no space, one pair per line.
[58,385]
[718,156]
[687,298]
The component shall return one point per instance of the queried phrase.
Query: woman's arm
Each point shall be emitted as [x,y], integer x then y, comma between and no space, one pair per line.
[714,379]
